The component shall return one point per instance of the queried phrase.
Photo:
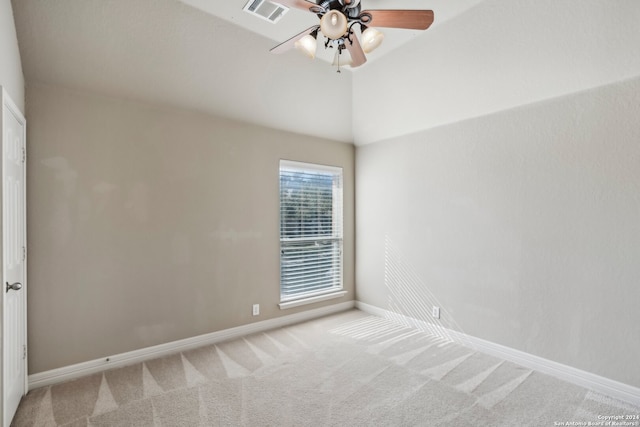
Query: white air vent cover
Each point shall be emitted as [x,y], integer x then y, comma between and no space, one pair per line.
[264,9]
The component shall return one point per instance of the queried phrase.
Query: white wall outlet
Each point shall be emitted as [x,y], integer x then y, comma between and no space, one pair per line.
[256,309]
[435,312]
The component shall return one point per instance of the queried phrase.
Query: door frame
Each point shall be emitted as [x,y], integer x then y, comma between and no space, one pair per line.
[7,102]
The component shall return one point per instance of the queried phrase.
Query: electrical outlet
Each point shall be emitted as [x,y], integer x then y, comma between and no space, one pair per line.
[435,312]
[256,309]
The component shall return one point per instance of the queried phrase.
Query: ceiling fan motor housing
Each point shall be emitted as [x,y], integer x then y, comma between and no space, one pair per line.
[337,17]
[351,9]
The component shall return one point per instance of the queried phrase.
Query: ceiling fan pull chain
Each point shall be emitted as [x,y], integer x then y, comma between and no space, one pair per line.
[341,47]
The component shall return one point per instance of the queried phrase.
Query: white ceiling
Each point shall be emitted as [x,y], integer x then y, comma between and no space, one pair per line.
[479,56]
[166,52]
[501,54]
[296,20]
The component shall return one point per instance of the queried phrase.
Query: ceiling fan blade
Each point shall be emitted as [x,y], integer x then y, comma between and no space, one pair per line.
[298,4]
[409,19]
[286,45]
[355,50]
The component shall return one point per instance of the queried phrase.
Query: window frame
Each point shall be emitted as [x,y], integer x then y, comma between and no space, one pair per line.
[337,236]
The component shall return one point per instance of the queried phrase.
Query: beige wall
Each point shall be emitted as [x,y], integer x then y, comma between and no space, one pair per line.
[523,226]
[10,66]
[148,225]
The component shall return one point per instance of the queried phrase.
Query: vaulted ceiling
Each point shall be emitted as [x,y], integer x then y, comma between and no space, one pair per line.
[480,56]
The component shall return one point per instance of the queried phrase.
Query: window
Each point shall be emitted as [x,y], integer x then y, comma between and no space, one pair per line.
[310,230]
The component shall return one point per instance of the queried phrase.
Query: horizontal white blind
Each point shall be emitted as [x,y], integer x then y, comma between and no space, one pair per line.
[310,229]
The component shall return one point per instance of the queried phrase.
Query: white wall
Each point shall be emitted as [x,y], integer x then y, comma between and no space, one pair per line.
[149,224]
[10,66]
[524,226]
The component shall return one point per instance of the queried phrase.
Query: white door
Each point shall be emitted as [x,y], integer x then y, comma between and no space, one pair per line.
[13,258]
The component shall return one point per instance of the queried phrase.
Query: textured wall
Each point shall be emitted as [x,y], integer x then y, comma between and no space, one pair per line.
[149,225]
[524,226]
[10,66]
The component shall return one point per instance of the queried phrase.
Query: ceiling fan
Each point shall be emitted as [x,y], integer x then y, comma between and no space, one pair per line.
[337,21]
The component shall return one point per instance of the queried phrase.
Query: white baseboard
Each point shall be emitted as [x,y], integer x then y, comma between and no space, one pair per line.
[71,372]
[572,375]
[585,379]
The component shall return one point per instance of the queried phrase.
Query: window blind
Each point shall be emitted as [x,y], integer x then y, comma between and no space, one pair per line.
[310,229]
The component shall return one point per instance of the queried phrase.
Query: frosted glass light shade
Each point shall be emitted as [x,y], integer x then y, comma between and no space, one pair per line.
[307,45]
[333,24]
[371,39]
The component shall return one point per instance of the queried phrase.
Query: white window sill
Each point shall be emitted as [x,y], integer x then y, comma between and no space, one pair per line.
[311,300]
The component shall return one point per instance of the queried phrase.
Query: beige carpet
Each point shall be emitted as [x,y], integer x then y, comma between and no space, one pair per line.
[349,369]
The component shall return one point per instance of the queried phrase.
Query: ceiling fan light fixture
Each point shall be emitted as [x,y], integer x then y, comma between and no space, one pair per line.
[337,21]
[333,24]
[371,39]
[307,45]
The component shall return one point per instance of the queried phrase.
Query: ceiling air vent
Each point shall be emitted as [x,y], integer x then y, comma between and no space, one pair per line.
[264,9]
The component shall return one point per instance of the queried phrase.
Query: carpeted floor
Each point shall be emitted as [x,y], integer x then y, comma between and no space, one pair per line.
[349,369]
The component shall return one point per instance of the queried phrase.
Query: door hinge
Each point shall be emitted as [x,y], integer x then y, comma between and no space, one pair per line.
[24,253]
[24,155]
[24,352]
